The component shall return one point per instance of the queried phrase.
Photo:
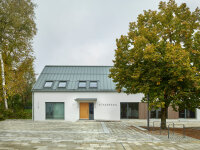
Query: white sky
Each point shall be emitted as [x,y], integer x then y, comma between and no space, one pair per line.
[83,32]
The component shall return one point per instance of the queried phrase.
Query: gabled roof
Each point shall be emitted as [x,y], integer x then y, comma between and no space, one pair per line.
[74,74]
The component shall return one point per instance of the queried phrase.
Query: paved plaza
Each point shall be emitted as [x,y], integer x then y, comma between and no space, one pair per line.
[123,135]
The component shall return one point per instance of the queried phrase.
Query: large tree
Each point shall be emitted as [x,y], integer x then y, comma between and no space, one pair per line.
[160,56]
[17,28]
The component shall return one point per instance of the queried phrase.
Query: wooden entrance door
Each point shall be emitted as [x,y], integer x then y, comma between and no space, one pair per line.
[84,110]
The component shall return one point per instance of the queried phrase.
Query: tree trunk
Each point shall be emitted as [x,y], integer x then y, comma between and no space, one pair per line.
[3,81]
[164,117]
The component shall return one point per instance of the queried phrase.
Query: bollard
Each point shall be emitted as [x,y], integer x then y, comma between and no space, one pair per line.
[160,128]
[153,127]
[168,131]
[183,131]
[173,128]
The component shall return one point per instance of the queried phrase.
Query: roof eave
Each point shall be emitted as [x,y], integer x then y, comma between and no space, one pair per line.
[45,90]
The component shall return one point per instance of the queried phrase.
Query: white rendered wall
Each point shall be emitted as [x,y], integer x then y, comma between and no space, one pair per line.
[107,106]
[198,114]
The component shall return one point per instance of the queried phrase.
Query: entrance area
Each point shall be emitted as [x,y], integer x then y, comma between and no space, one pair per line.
[87,111]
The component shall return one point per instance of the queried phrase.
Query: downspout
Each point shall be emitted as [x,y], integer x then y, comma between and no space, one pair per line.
[32,105]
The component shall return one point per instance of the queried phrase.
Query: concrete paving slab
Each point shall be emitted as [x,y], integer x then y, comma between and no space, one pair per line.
[26,134]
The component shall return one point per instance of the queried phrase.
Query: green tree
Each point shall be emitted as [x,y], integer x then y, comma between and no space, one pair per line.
[161,56]
[17,28]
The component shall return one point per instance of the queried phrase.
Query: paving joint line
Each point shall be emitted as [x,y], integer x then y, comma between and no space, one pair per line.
[123,146]
[146,134]
[105,129]
[11,131]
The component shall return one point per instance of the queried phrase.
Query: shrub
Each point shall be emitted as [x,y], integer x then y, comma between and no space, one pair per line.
[23,114]
[16,114]
[2,117]
[8,113]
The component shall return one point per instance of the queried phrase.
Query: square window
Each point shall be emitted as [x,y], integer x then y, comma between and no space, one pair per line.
[62,84]
[82,84]
[187,113]
[48,84]
[129,110]
[93,84]
[55,110]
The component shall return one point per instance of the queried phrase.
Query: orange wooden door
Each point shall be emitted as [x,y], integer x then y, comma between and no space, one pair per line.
[84,110]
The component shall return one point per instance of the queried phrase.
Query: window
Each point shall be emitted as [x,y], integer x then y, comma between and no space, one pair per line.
[62,84]
[155,113]
[129,110]
[91,111]
[48,84]
[82,84]
[54,110]
[93,84]
[187,114]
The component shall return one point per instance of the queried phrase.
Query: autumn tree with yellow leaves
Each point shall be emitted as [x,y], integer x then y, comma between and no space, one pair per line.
[160,56]
[17,28]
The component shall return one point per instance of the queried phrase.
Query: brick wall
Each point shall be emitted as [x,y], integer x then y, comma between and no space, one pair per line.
[172,114]
[142,110]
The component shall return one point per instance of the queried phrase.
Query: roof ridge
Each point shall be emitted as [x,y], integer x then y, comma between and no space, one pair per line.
[78,66]
[76,73]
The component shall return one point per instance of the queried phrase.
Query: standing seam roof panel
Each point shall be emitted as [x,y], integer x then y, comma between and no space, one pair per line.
[73,74]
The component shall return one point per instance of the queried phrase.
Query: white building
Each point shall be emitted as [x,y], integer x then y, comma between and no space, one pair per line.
[86,92]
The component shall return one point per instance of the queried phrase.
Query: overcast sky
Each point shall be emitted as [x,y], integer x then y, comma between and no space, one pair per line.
[83,32]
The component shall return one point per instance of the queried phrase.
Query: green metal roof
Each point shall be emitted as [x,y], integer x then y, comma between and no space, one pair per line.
[74,74]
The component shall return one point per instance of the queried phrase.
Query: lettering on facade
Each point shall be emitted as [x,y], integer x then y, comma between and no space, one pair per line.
[107,104]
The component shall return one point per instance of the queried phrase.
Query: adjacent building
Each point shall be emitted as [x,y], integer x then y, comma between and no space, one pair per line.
[72,93]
